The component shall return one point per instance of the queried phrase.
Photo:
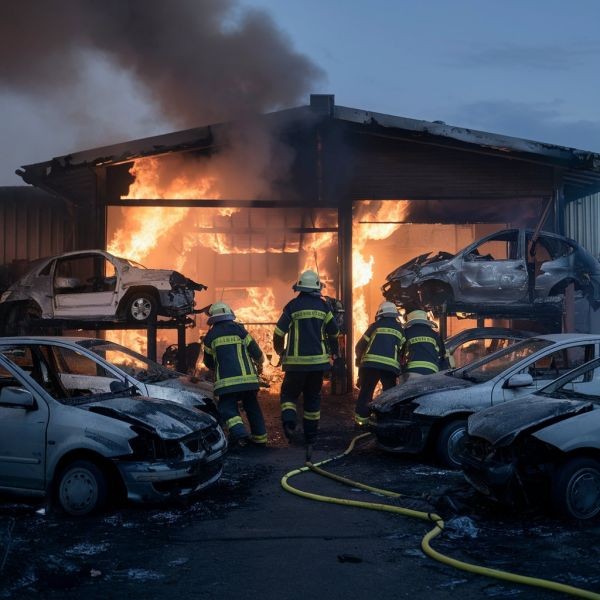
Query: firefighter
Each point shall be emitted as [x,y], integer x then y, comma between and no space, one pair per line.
[378,354]
[234,356]
[424,348]
[312,334]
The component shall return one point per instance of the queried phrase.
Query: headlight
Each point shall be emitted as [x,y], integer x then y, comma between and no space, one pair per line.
[148,446]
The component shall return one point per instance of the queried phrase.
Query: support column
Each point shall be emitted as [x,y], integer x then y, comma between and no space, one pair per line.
[181,346]
[345,269]
[151,338]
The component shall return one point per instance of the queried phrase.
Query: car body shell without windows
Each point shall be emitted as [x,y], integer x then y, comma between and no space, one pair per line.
[160,449]
[94,284]
[404,417]
[475,276]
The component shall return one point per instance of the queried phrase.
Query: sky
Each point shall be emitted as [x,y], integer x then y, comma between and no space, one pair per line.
[525,68]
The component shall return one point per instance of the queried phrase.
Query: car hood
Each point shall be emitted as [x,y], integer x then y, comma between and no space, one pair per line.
[414,265]
[417,387]
[501,424]
[204,389]
[167,419]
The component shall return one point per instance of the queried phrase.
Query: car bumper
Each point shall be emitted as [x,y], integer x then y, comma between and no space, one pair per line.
[492,479]
[158,481]
[400,435]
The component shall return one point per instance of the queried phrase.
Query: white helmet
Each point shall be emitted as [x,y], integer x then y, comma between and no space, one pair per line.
[308,282]
[220,311]
[386,309]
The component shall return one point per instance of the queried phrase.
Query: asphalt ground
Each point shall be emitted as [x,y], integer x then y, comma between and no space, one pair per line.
[248,538]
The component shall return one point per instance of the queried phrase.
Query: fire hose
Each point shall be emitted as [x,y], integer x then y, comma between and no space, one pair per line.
[424,516]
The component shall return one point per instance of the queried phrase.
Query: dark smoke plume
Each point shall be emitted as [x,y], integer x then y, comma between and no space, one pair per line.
[201,61]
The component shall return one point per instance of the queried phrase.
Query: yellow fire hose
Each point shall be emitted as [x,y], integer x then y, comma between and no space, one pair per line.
[432,517]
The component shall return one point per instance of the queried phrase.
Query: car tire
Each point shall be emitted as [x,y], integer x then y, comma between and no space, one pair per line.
[576,488]
[81,488]
[141,307]
[449,442]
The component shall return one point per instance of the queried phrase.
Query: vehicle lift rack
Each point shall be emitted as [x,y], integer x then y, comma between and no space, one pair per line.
[151,327]
[544,311]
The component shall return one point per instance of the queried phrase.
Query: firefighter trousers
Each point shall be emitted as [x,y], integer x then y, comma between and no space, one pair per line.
[368,378]
[307,383]
[229,410]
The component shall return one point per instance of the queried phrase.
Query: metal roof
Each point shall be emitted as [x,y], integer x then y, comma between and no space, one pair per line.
[581,168]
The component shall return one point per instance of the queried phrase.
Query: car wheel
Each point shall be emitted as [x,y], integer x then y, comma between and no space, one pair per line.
[81,488]
[141,307]
[450,442]
[576,488]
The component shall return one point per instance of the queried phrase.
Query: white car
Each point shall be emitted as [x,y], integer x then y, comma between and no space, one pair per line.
[97,366]
[95,285]
[432,411]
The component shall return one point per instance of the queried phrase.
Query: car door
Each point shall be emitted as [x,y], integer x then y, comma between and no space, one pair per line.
[22,433]
[494,269]
[84,286]
[545,368]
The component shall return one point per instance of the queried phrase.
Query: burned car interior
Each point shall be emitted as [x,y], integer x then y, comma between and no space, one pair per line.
[62,373]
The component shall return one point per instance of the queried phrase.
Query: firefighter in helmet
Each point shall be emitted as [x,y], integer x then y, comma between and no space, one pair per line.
[424,349]
[312,334]
[234,356]
[378,354]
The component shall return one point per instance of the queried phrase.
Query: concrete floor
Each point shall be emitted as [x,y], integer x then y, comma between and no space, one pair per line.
[248,538]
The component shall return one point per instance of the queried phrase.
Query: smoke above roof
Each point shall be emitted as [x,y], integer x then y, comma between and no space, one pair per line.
[199,61]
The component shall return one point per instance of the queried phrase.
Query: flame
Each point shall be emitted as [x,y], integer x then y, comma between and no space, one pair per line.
[144,230]
[375,220]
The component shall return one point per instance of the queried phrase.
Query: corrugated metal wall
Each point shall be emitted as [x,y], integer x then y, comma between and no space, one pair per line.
[582,222]
[33,224]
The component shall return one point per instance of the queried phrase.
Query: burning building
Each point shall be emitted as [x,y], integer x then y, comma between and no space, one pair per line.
[244,206]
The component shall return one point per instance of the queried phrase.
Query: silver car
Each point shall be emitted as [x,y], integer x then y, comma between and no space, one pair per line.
[75,359]
[81,447]
[544,447]
[430,412]
[507,268]
[95,285]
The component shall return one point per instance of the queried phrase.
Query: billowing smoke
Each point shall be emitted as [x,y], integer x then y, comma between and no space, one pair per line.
[76,74]
[202,61]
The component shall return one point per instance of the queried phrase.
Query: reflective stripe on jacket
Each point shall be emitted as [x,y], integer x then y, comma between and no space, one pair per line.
[229,351]
[422,349]
[381,345]
[311,334]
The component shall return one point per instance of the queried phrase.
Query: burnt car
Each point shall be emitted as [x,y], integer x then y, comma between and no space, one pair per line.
[509,267]
[470,345]
[543,447]
[94,284]
[98,366]
[430,413]
[83,448]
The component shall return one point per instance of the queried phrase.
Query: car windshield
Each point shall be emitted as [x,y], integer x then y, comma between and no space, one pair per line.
[581,383]
[493,365]
[132,263]
[132,363]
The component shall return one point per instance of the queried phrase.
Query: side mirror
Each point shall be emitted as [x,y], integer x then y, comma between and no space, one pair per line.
[17,397]
[519,380]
